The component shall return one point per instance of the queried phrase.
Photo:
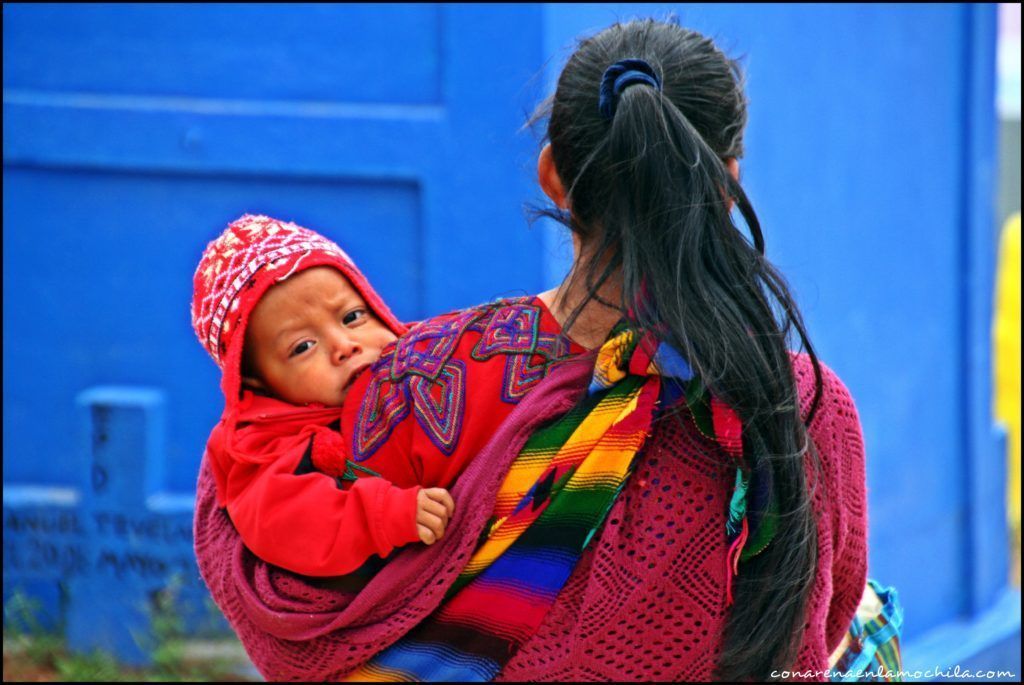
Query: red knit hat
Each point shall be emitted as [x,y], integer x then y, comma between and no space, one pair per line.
[251,255]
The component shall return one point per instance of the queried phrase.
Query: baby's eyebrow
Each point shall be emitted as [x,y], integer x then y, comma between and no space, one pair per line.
[289,328]
[344,299]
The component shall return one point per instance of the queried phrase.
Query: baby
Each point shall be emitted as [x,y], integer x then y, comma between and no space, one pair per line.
[292,322]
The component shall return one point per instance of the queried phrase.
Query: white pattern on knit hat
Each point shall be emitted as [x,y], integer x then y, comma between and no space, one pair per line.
[247,245]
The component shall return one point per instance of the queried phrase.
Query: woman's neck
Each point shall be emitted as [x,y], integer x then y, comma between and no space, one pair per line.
[591,327]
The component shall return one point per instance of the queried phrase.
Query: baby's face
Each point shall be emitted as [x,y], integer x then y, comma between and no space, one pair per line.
[310,335]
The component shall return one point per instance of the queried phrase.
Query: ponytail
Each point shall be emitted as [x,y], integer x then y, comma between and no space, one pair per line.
[651,196]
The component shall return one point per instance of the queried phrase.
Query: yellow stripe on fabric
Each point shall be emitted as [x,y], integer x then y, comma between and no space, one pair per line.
[608,365]
[524,474]
[370,673]
[520,482]
[591,481]
[605,460]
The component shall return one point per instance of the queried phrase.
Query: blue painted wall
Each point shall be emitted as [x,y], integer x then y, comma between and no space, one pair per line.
[133,134]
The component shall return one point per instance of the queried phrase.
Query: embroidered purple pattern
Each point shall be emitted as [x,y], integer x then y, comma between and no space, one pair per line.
[440,404]
[425,349]
[421,372]
[383,407]
[511,330]
[522,373]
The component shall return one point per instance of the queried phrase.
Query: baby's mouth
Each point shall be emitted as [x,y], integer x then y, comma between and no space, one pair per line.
[353,376]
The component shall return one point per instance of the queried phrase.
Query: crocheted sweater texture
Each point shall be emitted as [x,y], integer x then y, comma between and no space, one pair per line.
[646,600]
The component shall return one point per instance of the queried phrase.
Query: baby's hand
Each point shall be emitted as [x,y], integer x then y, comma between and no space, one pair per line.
[434,506]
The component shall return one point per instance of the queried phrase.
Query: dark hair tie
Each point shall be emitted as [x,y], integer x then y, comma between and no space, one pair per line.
[621,75]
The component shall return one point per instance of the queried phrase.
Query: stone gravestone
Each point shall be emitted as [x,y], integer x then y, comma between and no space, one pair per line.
[98,556]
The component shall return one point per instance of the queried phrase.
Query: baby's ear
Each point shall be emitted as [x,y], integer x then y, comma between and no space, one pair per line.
[253,383]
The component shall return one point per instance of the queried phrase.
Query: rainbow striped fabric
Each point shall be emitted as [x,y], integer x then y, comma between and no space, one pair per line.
[555,496]
[872,651]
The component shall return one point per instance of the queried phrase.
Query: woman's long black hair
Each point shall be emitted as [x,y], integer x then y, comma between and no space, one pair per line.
[650,192]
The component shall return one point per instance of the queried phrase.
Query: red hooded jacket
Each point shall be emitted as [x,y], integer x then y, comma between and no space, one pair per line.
[280,469]
[299,483]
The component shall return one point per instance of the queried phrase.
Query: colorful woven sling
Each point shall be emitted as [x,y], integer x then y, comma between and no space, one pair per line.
[872,651]
[554,498]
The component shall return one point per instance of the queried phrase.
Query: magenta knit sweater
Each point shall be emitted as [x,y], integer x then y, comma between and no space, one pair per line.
[645,602]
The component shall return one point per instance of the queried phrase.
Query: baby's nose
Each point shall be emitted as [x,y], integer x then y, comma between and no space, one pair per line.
[344,345]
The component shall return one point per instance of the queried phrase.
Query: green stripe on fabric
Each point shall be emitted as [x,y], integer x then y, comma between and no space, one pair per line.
[585,509]
[555,435]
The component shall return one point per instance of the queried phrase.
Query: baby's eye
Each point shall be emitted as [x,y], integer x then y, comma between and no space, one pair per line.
[353,316]
[301,347]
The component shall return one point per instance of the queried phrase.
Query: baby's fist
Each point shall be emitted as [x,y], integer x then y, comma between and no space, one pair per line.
[434,506]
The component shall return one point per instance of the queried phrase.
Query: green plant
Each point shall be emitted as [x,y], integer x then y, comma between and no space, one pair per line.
[169,640]
[23,630]
[95,665]
[32,651]
[27,638]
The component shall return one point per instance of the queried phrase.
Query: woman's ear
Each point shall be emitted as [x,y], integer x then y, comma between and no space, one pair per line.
[549,180]
[733,165]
